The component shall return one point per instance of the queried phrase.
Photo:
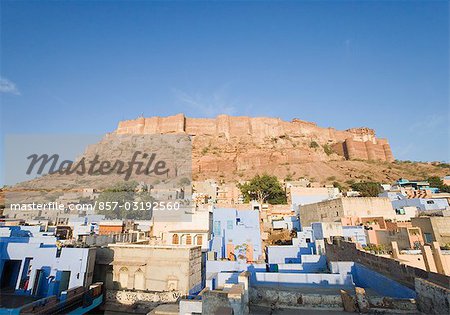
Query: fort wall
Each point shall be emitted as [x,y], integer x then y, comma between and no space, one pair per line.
[355,143]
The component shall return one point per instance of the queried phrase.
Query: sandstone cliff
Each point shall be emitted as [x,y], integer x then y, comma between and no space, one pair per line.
[233,147]
[236,148]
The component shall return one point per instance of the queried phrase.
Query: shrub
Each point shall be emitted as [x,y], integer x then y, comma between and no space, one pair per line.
[328,149]
[338,185]
[367,189]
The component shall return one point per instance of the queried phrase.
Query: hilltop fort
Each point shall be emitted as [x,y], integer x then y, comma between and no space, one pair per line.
[229,149]
[235,147]
[355,143]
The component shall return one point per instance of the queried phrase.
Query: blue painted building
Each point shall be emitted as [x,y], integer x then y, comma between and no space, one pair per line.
[236,234]
[290,223]
[302,245]
[399,201]
[356,233]
[32,264]
[423,204]
[415,184]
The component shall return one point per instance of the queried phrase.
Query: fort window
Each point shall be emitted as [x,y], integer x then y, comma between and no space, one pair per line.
[188,239]
[199,240]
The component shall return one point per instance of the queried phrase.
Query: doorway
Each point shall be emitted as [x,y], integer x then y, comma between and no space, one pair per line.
[10,274]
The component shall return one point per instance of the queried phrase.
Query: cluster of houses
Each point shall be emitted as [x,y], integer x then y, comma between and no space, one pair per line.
[222,254]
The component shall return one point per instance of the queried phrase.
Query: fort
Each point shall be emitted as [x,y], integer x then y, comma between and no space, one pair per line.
[354,143]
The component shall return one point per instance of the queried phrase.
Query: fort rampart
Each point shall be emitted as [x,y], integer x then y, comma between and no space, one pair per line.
[355,143]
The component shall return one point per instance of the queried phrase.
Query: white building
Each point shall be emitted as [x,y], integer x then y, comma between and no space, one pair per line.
[30,261]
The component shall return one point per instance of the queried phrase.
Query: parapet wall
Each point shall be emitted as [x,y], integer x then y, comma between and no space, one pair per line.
[431,298]
[355,143]
[391,268]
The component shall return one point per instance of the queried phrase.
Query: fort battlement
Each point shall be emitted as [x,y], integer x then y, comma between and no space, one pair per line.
[355,143]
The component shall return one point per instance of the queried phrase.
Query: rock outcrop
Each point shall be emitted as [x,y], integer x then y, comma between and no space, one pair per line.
[237,144]
[230,149]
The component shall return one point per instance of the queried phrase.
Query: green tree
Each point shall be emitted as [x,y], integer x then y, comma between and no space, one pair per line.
[264,188]
[367,189]
[435,181]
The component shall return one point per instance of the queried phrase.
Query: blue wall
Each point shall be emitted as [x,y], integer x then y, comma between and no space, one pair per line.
[239,227]
[365,278]
[421,203]
[356,232]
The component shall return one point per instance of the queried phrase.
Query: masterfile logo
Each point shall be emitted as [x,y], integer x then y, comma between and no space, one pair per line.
[94,166]
[121,176]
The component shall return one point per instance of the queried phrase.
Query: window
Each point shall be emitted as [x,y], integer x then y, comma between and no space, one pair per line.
[199,239]
[139,280]
[123,278]
[189,239]
[428,237]
[64,278]
[230,224]
[216,228]
[175,239]
[430,202]
[26,271]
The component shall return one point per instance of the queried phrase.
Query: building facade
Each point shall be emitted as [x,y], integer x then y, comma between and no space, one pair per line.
[334,210]
[156,268]
[434,229]
[236,234]
[32,263]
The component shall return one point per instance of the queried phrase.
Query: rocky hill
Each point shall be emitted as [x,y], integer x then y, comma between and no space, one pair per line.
[229,149]
[236,148]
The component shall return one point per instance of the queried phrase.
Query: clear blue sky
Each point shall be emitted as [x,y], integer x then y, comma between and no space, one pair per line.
[80,67]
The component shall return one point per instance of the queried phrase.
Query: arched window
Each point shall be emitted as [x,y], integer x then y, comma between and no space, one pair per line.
[188,239]
[199,240]
[139,280]
[175,239]
[123,278]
